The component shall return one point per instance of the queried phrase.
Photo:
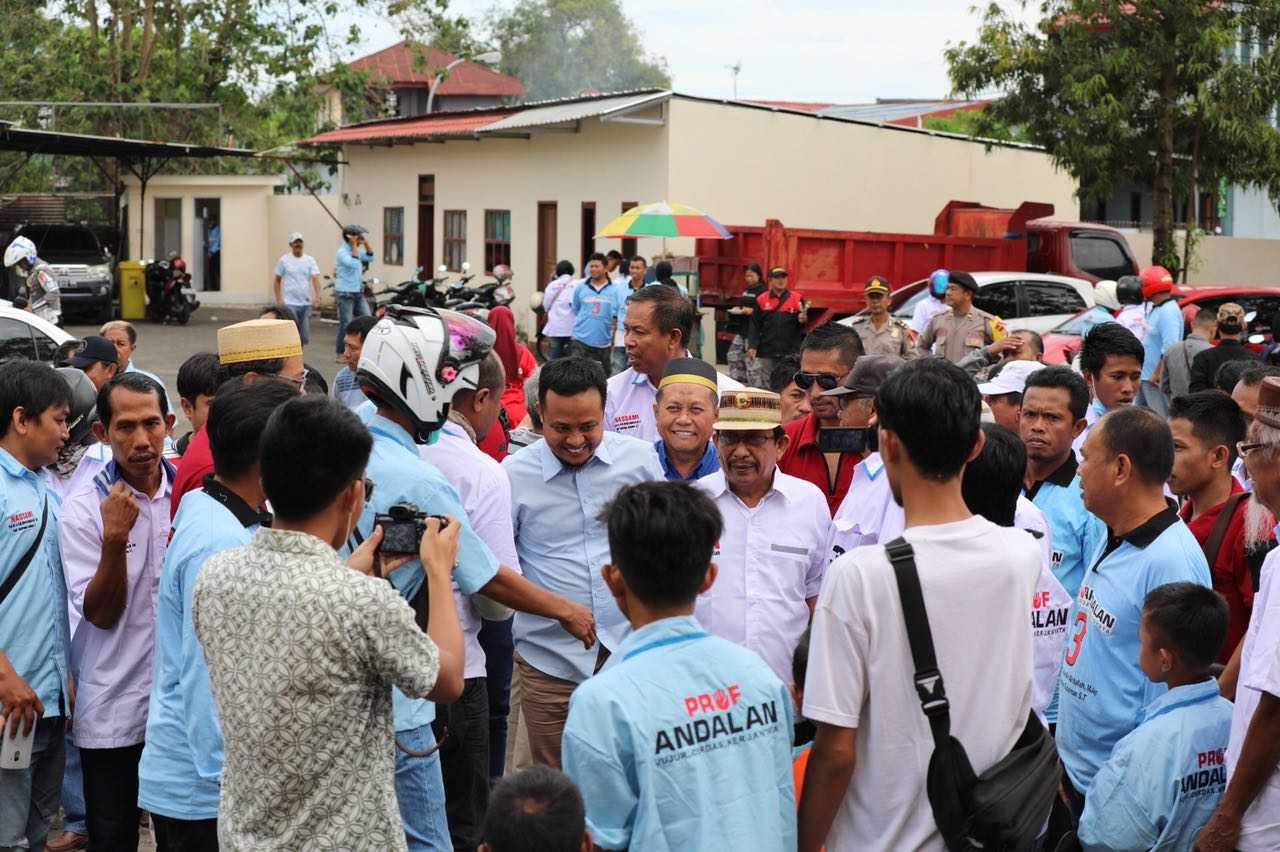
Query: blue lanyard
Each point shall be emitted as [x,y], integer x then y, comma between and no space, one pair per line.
[670,640]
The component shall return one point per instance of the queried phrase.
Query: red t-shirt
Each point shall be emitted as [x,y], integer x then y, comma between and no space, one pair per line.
[803,461]
[196,462]
[1232,571]
[513,395]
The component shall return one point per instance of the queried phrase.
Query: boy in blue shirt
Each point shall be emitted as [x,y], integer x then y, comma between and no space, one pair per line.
[683,740]
[1164,779]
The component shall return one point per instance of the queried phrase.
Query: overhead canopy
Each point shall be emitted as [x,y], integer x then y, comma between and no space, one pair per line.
[80,145]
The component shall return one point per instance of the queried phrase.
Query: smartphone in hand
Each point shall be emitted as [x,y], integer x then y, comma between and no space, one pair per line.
[15,752]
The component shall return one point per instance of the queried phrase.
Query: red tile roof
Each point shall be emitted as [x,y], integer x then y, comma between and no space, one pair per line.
[443,124]
[399,64]
[800,106]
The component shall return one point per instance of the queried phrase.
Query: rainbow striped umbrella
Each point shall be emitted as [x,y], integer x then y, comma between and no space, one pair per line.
[663,219]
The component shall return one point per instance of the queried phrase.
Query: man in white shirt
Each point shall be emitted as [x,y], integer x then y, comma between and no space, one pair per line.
[773,551]
[865,784]
[297,284]
[112,532]
[868,513]
[659,324]
[1248,817]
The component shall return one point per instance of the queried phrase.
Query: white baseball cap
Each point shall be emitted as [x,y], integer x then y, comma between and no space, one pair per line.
[1012,378]
[295,237]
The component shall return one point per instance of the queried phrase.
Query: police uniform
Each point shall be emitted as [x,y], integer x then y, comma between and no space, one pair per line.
[43,296]
[893,338]
[957,336]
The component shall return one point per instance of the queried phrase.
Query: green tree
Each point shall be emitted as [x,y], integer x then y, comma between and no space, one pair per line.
[1151,92]
[559,48]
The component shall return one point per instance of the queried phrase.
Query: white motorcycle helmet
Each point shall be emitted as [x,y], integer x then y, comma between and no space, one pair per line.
[415,359]
[1104,293]
[20,249]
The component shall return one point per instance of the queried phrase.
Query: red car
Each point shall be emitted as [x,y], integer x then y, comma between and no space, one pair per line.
[1061,343]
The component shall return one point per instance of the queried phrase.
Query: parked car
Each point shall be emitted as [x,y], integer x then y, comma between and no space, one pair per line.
[84,268]
[25,335]
[1034,301]
[1263,303]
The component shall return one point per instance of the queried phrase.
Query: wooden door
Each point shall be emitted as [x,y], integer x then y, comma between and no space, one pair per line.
[427,223]
[546,243]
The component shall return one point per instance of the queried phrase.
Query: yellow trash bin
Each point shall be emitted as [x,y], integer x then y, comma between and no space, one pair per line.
[133,289]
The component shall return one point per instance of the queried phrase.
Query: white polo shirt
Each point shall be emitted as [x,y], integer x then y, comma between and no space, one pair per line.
[1050,606]
[860,670]
[868,514]
[628,406]
[771,560]
[485,494]
[112,668]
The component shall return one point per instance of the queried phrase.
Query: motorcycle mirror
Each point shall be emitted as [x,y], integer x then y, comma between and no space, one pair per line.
[466,266]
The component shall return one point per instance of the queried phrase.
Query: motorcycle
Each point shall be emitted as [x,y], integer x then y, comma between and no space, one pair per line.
[169,291]
[416,292]
[478,301]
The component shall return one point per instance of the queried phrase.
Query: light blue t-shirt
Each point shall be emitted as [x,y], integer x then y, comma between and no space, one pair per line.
[34,631]
[399,474]
[1101,689]
[562,544]
[1164,780]
[346,389]
[682,742]
[594,311]
[349,270]
[181,762]
[1164,328]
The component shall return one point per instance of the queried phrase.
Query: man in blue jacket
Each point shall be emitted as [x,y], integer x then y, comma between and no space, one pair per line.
[1163,781]
[181,764]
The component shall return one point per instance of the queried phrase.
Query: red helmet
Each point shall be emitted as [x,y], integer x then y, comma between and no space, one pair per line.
[1155,279]
[179,264]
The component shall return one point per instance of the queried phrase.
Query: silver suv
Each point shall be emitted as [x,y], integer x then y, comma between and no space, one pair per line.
[84,268]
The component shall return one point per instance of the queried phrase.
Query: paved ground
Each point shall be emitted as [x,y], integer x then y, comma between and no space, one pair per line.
[163,348]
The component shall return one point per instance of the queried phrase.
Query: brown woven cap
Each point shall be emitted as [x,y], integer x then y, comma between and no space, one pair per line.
[258,340]
[1269,402]
[749,408]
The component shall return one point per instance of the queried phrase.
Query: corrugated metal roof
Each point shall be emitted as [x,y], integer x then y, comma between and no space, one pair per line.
[888,112]
[445,124]
[558,113]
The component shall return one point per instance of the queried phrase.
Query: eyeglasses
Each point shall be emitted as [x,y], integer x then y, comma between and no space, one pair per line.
[368,489]
[301,381]
[826,381]
[731,438]
[1243,448]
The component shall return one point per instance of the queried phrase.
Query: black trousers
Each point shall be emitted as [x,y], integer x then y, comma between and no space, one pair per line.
[213,271]
[499,648]
[111,797]
[462,729]
[185,835]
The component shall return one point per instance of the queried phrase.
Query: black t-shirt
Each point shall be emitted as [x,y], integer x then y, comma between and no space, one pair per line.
[738,323]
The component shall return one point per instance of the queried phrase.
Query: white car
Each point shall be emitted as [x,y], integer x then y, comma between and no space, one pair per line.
[25,335]
[1031,300]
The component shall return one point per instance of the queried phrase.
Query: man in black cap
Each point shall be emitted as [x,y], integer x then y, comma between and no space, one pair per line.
[880,333]
[685,410]
[97,358]
[777,324]
[964,328]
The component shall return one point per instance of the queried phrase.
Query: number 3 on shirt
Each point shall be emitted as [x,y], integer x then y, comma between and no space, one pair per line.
[1082,619]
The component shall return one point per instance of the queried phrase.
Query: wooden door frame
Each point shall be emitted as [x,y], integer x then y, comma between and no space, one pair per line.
[547,262]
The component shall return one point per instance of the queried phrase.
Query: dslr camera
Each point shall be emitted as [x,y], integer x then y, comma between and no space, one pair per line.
[402,527]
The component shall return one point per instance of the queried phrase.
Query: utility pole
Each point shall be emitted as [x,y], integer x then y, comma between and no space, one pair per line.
[735,69]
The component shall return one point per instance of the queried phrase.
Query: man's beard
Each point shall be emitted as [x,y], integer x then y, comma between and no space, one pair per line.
[1259,524]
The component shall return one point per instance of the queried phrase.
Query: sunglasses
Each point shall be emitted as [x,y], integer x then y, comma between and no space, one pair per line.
[826,381]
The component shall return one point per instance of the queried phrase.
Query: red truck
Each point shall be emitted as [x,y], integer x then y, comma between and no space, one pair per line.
[830,267]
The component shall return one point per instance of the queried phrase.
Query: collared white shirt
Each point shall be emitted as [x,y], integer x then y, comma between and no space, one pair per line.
[628,407]
[772,559]
[868,514]
[485,494]
[112,668]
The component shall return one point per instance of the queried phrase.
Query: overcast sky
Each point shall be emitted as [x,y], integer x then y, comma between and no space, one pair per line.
[837,51]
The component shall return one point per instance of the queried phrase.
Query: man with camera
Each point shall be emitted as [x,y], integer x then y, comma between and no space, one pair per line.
[868,513]
[773,551]
[303,651]
[408,414]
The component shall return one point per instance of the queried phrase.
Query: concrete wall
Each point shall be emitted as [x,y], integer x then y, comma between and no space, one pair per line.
[302,213]
[247,258]
[604,163]
[1253,214]
[1224,260]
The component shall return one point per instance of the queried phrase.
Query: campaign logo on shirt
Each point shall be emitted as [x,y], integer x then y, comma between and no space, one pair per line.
[1047,619]
[1211,781]
[22,521]
[1102,617]
[708,734]
[709,702]
[626,422]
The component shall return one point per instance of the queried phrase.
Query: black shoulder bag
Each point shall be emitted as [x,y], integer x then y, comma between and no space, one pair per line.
[21,568]
[1004,808]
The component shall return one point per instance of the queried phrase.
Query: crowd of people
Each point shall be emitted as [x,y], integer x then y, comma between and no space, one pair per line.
[626,601]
